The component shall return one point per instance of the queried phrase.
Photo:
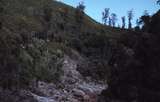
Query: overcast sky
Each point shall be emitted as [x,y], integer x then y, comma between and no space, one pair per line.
[94,8]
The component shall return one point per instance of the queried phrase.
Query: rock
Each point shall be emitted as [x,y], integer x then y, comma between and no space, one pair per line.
[78,92]
[86,98]
[88,79]
[41,84]
[85,89]
[71,81]
[72,100]
[16,96]
[72,88]
[42,99]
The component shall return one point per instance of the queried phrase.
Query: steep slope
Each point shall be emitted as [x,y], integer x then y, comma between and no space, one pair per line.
[59,24]
[135,77]
[35,37]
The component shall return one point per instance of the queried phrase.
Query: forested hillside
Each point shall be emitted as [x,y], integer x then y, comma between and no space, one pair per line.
[48,42]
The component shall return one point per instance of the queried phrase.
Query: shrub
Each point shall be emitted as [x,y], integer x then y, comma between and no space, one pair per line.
[12,74]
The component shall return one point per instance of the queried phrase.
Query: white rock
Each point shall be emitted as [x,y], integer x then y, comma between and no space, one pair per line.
[78,92]
[42,99]
[85,89]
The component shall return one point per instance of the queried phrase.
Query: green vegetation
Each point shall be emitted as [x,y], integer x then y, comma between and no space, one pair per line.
[35,35]
[23,56]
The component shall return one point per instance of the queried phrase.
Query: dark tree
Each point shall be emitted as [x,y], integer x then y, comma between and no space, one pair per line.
[123,22]
[105,15]
[155,24]
[146,13]
[145,21]
[114,19]
[81,6]
[80,13]
[158,2]
[110,21]
[137,28]
[130,17]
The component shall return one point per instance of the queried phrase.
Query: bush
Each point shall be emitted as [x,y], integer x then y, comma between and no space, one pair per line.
[12,74]
[47,61]
[20,63]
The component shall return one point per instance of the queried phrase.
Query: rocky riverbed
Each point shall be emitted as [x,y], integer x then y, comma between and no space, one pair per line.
[72,88]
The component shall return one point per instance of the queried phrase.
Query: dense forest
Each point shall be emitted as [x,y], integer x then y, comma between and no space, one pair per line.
[45,42]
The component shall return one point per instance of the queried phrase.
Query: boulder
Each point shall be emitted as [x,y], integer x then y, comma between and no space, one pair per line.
[78,93]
